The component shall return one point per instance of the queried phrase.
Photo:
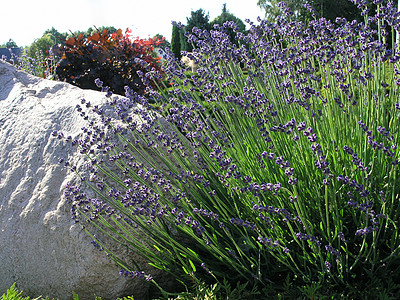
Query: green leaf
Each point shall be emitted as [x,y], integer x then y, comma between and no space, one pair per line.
[192,265]
[75,296]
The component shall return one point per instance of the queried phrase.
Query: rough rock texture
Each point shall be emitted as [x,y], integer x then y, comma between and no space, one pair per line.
[41,249]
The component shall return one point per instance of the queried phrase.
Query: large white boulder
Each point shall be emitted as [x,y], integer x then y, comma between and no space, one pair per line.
[41,248]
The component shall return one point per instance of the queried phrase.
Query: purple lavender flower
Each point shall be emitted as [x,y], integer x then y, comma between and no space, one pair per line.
[365,231]
[333,251]
[306,237]
[98,83]
[341,236]
[203,265]
[248,175]
[328,265]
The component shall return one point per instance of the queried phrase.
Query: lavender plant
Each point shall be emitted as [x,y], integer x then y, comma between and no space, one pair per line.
[277,161]
[41,66]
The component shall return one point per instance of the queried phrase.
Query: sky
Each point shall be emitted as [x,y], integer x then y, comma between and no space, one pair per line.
[27,20]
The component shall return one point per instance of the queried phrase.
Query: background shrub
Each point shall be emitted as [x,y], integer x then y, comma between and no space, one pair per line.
[114,58]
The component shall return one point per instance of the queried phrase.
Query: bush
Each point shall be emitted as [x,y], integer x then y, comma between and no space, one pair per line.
[114,58]
[291,178]
[42,46]
[40,65]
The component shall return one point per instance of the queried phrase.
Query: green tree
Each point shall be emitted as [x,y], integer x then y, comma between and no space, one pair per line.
[60,37]
[42,45]
[176,42]
[164,43]
[91,30]
[272,9]
[197,19]
[328,9]
[183,41]
[9,44]
[226,16]
[331,9]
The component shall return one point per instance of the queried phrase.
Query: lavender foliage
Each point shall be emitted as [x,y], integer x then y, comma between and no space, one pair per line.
[277,156]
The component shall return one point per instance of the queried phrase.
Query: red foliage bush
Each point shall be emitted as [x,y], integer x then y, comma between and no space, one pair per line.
[114,58]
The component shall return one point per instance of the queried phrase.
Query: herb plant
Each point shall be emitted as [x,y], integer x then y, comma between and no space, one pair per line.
[276,164]
[41,66]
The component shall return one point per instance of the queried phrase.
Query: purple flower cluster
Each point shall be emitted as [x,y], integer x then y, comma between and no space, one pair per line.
[96,244]
[224,164]
[379,145]
[256,189]
[306,237]
[283,164]
[366,230]
[333,251]
[183,219]
[242,223]
[204,266]
[356,161]
[233,253]
[366,208]
[268,242]
[205,213]
[321,162]
[271,211]
[328,265]
[341,236]
[136,274]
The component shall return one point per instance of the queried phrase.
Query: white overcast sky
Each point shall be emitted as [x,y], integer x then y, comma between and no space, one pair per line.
[26,20]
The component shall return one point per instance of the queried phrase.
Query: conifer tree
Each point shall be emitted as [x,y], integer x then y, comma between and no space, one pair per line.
[226,16]
[176,42]
[198,19]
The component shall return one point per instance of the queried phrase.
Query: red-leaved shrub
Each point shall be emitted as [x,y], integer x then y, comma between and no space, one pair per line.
[114,58]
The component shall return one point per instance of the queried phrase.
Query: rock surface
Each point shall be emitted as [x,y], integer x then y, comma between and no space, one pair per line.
[41,249]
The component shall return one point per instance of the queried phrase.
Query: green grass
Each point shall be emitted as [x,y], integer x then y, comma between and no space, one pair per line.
[225,291]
